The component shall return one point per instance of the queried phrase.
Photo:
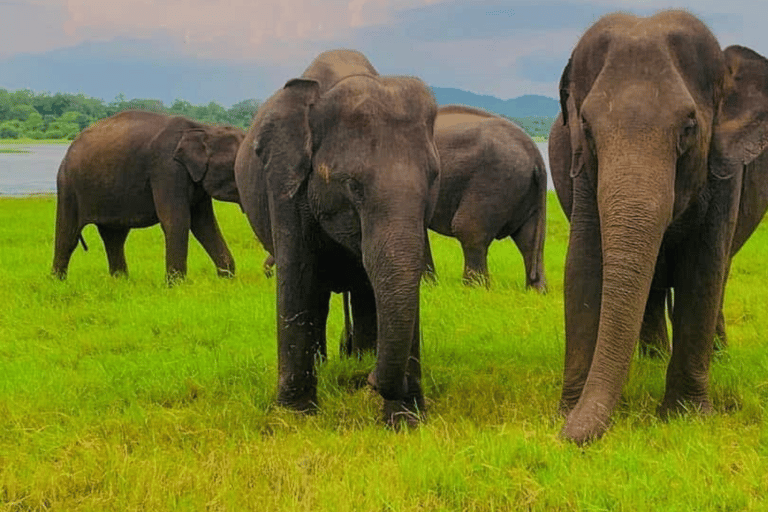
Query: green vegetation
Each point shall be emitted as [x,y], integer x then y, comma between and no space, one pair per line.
[123,394]
[27,116]
[24,114]
[536,126]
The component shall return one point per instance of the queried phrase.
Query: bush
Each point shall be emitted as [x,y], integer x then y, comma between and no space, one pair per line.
[10,130]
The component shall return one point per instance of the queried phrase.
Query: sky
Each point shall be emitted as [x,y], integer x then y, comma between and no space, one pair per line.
[229,50]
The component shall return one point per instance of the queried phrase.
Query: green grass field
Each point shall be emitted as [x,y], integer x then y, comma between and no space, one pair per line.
[124,394]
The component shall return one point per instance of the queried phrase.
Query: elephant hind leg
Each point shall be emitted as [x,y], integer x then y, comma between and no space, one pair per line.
[531,247]
[654,338]
[68,230]
[359,338]
[114,245]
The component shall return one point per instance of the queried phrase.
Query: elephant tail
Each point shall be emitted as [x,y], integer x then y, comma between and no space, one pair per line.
[540,177]
[82,241]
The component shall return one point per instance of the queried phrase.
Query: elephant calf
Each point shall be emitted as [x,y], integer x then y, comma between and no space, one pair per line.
[493,184]
[135,169]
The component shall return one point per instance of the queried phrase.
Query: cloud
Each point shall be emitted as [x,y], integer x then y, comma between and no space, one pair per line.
[264,31]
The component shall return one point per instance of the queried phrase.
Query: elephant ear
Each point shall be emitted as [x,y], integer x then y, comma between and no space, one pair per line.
[571,119]
[193,153]
[283,142]
[741,129]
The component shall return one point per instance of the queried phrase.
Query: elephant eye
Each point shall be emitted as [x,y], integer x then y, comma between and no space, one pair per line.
[688,133]
[355,189]
[690,126]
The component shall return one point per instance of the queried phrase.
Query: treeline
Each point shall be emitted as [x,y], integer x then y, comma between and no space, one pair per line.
[24,114]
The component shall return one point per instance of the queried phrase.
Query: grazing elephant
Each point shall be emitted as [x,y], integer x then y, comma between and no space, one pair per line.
[661,123]
[338,176]
[135,169]
[493,184]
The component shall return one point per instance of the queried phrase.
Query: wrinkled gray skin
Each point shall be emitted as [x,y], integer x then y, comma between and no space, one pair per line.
[135,169]
[338,175]
[654,338]
[661,123]
[493,184]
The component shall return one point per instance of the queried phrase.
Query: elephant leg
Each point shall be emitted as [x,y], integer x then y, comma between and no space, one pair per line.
[176,229]
[721,339]
[409,411]
[206,231]
[363,338]
[698,286]
[654,340]
[430,273]
[475,262]
[68,230]
[532,249]
[302,309]
[114,245]
[583,282]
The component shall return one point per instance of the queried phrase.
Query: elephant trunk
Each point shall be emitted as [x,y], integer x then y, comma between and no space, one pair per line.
[635,204]
[393,256]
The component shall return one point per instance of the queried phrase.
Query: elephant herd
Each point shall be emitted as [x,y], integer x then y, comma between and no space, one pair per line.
[657,158]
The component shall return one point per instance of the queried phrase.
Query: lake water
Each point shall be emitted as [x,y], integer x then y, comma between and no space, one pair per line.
[35,172]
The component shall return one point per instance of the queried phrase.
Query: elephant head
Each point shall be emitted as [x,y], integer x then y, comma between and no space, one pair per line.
[660,122]
[347,159]
[208,153]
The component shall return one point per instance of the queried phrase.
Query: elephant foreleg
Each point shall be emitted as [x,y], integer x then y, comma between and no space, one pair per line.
[206,231]
[176,230]
[411,409]
[114,245]
[698,284]
[583,293]
[475,263]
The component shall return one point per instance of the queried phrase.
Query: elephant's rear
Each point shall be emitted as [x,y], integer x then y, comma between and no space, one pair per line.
[68,225]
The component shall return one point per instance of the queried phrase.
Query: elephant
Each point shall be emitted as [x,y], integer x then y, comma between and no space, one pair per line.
[661,122]
[135,169]
[654,339]
[493,184]
[338,176]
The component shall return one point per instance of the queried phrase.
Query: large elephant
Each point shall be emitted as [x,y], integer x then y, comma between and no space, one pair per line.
[661,123]
[493,184]
[654,338]
[338,176]
[135,169]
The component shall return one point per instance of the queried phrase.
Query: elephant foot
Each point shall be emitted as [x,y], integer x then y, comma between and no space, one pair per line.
[410,411]
[676,405]
[540,285]
[299,398]
[399,413]
[474,278]
[586,423]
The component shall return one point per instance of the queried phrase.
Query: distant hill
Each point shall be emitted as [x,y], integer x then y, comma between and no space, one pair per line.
[530,105]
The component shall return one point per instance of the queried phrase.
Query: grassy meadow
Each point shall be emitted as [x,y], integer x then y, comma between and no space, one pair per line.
[124,394]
